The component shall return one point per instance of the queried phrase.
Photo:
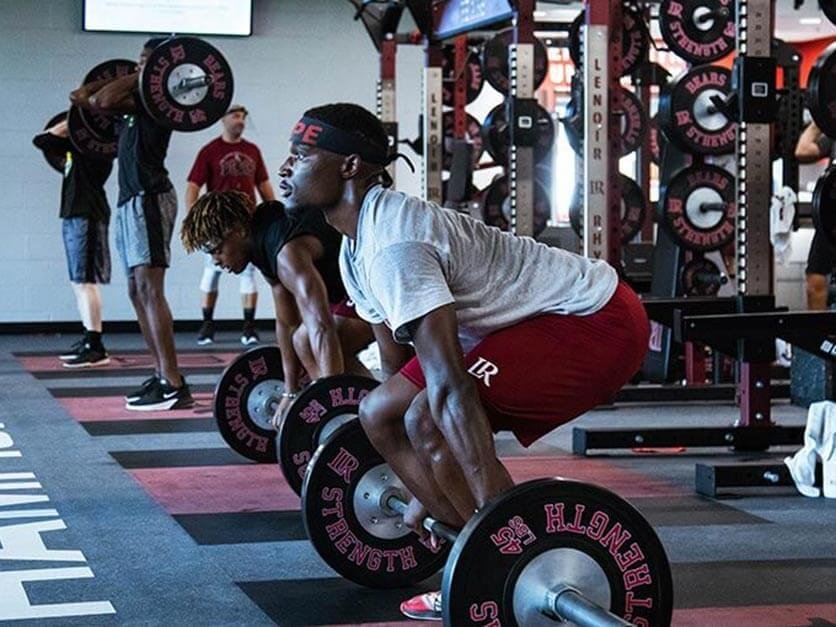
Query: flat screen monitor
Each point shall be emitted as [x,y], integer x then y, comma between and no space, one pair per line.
[192,17]
[461,16]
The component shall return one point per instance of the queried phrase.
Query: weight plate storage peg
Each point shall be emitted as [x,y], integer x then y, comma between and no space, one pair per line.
[246,397]
[698,207]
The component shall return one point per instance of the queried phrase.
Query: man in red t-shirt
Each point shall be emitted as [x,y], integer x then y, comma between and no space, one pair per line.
[229,163]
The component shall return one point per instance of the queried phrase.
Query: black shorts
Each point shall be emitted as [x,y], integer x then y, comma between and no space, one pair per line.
[88,252]
[822,256]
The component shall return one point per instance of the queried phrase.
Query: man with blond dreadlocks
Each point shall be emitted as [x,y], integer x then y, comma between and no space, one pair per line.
[317,329]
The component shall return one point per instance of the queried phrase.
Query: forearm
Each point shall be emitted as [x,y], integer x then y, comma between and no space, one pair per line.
[465,426]
[325,345]
[291,365]
[117,95]
[192,192]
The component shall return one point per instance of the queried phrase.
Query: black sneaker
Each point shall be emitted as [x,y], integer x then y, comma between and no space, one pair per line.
[206,335]
[249,336]
[162,397]
[73,351]
[89,357]
[143,388]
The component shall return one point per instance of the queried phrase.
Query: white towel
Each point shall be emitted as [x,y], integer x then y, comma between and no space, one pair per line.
[781,216]
[819,441]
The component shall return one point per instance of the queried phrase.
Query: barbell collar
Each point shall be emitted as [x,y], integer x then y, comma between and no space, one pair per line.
[567,604]
[188,84]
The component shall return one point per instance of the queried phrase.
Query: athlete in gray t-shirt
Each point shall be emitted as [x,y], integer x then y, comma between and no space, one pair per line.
[509,334]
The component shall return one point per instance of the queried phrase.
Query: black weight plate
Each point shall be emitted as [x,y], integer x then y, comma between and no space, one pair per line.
[629,115]
[496,205]
[495,61]
[689,118]
[85,141]
[346,528]
[56,158]
[633,209]
[821,91]
[824,206]
[186,58]
[473,134]
[634,42]
[682,210]
[546,532]
[103,126]
[496,135]
[474,78]
[633,120]
[699,31]
[828,7]
[305,423]
[701,277]
[246,394]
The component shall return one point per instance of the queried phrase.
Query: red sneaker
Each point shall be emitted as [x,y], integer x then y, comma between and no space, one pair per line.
[425,606]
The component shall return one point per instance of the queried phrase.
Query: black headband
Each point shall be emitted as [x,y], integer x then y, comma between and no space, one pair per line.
[313,132]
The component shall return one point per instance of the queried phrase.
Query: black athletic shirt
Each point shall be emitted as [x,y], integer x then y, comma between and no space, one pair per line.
[143,145]
[82,190]
[272,228]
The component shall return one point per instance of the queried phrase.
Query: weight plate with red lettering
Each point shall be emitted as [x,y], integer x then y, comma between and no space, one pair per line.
[657,140]
[186,84]
[473,135]
[702,277]
[699,31]
[496,134]
[316,413]
[103,126]
[634,40]
[495,61]
[550,532]
[367,543]
[246,397]
[629,115]
[84,140]
[821,91]
[496,205]
[698,207]
[55,158]
[691,111]
[633,209]
[824,206]
[474,78]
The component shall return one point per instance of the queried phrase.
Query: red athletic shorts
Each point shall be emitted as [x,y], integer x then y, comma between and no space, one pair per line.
[543,372]
[344,308]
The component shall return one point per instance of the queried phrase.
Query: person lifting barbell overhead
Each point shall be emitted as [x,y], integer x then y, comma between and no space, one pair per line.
[509,333]
[145,216]
[813,145]
[317,329]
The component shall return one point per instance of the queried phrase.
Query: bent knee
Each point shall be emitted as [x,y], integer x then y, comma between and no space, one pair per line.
[376,414]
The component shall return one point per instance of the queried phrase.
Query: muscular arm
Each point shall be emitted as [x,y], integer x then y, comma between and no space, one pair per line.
[808,150]
[455,404]
[265,190]
[287,319]
[116,96]
[192,192]
[393,356]
[296,270]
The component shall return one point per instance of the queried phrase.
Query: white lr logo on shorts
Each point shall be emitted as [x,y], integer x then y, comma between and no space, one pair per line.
[483,369]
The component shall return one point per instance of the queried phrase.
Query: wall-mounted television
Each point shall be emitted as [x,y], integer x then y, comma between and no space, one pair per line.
[184,17]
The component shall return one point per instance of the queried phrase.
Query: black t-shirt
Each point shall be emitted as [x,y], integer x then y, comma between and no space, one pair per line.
[272,228]
[143,145]
[82,190]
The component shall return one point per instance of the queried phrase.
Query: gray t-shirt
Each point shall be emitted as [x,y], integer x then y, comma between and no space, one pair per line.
[411,257]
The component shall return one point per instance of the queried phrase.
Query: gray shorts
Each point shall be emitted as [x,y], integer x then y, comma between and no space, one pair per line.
[87,249]
[144,226]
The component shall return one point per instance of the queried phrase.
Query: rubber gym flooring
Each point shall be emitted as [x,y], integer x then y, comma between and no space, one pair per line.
[114,517]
